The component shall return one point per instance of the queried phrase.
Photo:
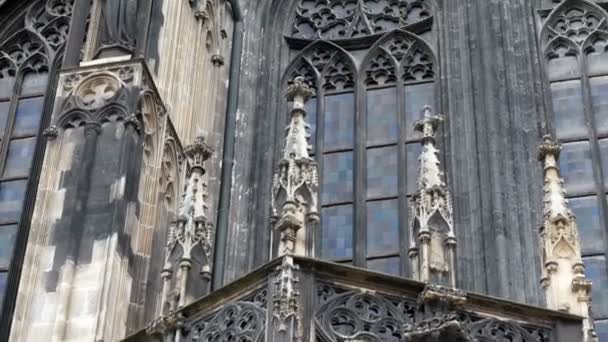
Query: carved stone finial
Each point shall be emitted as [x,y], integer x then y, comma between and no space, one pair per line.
[199,151]
[433,243]
[294,202]
[299,92]
[563,276]
[286,297]
[191,236]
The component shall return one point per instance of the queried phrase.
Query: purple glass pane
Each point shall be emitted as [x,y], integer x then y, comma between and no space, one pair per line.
[34,84]
[29,112]
[595,269]
[388,265]
[382,124]
[20,154]
[412,153]
[337,178]
[11,200]
[8,234]
[577,167]
[587,214]
[416,97]
[568,114]
[337,232]
[382,169]
[339,121]
[599,90]
[382,227]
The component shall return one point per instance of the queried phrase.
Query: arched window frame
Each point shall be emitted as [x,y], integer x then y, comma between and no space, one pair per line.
[351,51]
[576,46]
[33,42]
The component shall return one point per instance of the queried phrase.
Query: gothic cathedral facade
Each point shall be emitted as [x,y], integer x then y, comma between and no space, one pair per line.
[304,170]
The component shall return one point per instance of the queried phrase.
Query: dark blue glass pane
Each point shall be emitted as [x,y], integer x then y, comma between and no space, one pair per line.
[382,227]
[388,265]
[601,328]
[568,114]
[4,108]
[29,112]
[576,167]
[11,200]
[588,219]
[382,172]
[596,272]
[412,153]
[311,119]
[337,232]
[339,121]
[416,97]
[34,83]
[8,234]
[599,92]
[20,154]
[382,124]
[337,177]
[3,281]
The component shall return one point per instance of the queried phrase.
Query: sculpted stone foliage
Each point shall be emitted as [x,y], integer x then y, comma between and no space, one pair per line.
[346,19]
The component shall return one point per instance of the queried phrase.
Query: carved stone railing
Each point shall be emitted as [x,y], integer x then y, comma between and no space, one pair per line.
[300,299]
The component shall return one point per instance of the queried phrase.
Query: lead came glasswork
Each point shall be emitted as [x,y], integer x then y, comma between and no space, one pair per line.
[577,167]
[337,232]
[28,116]
[412,153]
[416,97]
[337,177]
[595,268]
[34,83]
[339,122]
[8,234]
[382,168]
[587,215]
[382,124]
[568,109]
[3,280]
[599,92]
[382,227]
[11,200]
[19,159]
[387,265]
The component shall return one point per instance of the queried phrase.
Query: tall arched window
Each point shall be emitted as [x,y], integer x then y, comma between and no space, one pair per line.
[33,42]
[373,68]
[574,40]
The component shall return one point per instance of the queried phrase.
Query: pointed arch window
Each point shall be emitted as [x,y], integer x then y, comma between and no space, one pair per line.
[28,56]
[574,42]
[372,73]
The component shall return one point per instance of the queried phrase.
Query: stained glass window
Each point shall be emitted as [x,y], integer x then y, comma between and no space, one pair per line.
[577,72]
[362,127]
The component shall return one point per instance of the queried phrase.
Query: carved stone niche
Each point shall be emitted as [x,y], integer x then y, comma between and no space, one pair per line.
[310,300]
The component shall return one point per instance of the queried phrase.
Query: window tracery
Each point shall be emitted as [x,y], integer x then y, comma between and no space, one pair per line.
[362,119]
[573,43]
[27,56]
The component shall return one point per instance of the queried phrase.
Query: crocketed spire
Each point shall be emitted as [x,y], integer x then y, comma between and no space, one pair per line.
[294,201]
[566,287]
[432,239]
[191,235]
